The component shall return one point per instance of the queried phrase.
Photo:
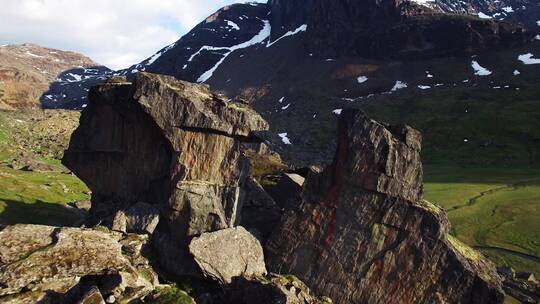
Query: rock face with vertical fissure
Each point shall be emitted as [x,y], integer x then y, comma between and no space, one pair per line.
[171,144]
[363,234]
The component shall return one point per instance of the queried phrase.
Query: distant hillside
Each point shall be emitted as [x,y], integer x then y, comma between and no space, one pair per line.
[27,71]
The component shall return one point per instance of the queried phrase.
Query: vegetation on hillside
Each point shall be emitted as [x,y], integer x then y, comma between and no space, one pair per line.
[34,187]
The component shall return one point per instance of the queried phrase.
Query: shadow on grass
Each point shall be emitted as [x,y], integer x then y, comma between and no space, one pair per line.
[39,212]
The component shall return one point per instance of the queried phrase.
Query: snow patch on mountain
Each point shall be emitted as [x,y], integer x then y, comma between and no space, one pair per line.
[361,79]
[484,16]
[399,85]
[158,54]
[508,9]
[480,70]
[233,25]
[528,59]
[285,139]
[300,29]
[32,54]
[259,38]
[423,2]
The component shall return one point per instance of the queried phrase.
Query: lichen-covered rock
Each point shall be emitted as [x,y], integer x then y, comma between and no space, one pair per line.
[362,234]
[172,144]
[228,254]
[69,253]
[48,264]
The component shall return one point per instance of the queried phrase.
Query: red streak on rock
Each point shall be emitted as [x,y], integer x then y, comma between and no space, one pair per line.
[338,169]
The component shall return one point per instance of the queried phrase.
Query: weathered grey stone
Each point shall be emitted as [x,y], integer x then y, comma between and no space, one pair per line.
[70,253]
[142,218]
[362,234]
[39,260]
[119,222]
[227,254]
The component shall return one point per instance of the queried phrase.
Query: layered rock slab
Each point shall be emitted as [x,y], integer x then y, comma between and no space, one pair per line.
[363,234]
[171,144]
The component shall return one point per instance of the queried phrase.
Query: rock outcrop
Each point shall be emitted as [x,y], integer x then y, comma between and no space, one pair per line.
[168,143]
[228,254]
[363,234]
[55,265]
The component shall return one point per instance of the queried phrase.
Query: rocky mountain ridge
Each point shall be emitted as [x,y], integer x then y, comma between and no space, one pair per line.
[28,71]
[423,26]
[298,73]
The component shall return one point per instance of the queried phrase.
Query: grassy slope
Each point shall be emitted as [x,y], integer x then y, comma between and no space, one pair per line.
[34,197]
[482,163]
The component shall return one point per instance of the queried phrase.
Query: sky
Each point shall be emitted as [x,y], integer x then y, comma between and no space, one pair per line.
[115,33]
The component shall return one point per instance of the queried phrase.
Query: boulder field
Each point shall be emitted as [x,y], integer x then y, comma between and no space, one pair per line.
[165,162]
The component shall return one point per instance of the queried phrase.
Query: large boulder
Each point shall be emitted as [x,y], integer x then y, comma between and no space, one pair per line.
[228,254]
[172,144]
[363,234]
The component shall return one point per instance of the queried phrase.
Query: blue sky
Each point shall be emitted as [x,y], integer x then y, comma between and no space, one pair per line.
[116,33]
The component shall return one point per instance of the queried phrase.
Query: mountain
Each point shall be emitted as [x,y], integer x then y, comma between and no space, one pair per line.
[28,70]
[299,62]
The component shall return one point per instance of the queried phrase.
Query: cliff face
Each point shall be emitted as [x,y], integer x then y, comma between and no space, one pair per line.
[400,29]
[363,234]
[168,143]
[287,15]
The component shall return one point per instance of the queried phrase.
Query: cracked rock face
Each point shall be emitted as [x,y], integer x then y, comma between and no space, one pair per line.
[169,143]
[362,233]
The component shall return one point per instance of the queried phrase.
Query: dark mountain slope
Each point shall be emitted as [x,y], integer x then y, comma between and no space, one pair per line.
[299,62]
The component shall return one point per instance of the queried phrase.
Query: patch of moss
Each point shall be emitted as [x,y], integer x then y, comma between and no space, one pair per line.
[431,207]
[170,295]
[263,165]
[465,250]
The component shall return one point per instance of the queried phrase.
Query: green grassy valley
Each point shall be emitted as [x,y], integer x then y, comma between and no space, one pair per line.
[34,187]
[491,207]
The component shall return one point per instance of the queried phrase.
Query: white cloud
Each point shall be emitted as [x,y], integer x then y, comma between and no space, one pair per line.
[115,33]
